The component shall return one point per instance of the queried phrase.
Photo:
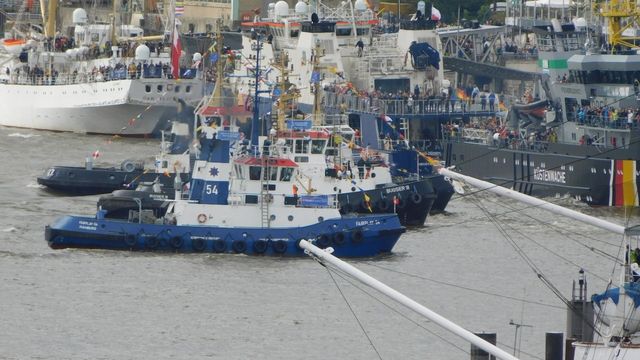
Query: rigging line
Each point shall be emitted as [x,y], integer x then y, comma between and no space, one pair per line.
[350,280]
[558,255]
[514,210]
[465,288]
[352,311]
[536,270]
[521,253]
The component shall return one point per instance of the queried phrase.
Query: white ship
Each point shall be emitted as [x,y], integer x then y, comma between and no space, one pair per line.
[385,63]
[90,86]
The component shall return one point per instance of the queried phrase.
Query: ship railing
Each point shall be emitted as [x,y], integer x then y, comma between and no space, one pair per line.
[69,79]
[481,136]
[599,121]
[373,105]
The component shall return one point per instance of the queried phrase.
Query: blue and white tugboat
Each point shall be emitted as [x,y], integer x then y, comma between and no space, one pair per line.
[215,219]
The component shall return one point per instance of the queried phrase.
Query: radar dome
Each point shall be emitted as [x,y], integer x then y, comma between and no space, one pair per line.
[281,8]
[422,7]
[360,5]
[142,52]
[301,7]
[79,16]
[197,57]
[271,6]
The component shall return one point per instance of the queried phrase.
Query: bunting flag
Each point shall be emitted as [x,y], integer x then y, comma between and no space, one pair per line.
[461,94]
[502,106]
[179,8]
[367,201]
[176,51]
[435,14]
[96,154]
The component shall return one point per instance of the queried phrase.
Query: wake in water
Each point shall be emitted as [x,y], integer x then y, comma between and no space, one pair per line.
[21,135]
[10,229]
[34,185]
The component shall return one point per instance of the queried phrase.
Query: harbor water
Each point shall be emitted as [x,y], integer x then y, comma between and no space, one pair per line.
[93,304]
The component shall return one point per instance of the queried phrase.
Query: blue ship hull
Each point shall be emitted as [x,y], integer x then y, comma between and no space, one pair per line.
[350,236]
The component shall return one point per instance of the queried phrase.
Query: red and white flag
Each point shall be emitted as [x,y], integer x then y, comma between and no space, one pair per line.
[96,154]
[176,51]
[435,14]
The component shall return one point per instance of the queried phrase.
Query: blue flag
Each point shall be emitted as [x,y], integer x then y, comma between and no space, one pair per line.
[315,77]
[213,58]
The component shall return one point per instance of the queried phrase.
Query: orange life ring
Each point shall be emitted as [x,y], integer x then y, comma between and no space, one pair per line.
[202,218]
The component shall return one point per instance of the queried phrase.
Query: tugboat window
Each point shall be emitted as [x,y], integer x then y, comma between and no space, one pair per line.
[317,146]
[188,88]
[285,174]
[159,88]
[273,174]
[147,89]
[254,172]
[177,88]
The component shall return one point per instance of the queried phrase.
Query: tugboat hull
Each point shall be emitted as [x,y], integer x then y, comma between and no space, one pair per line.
[349,236]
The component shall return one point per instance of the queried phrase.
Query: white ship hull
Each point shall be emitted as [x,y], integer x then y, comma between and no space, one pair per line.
[123,107]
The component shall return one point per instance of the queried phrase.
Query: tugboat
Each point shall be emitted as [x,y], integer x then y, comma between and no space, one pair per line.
[215,219]
[172,161]
[322,161]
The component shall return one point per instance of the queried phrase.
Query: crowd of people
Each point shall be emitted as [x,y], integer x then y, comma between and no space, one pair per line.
[609,117]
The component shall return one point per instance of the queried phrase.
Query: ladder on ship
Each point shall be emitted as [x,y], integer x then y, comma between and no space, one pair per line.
[265,196]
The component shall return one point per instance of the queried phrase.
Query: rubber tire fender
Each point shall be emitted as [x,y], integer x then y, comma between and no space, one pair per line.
[198,245]
[322,241]
[239,246]
[416,198]
[339,238]
[280,246]
[219,245]
[357,237]
[260,246]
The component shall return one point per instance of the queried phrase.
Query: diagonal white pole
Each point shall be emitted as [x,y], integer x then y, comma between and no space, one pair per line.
[406,301]
[557,209]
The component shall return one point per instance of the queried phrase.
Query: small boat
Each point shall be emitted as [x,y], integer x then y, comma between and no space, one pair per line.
[218,218]
[172,161]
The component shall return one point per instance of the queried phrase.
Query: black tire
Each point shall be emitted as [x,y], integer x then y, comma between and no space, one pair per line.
[260,246]
[416,198]
[176,242]
[131,240]
[152,242]
[384,205]
[339,238]
[239,246]
[357,237]
[219,245]
[198,245]
[322,241]
[280,246]
[402,203]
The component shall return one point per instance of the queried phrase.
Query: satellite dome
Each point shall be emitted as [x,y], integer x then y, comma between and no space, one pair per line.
[281,8]
[421,6]
[301,7]
[360,5]
[79,16]
[142,52]
[197,57]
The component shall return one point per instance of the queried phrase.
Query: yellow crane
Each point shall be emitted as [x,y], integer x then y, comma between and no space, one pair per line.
[620,16]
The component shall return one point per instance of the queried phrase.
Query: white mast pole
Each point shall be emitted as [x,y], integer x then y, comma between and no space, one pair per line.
[406,301]
[484,185]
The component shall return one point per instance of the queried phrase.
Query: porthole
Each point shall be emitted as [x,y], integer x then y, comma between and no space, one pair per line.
[320,219]
[272,217]
[290,218]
